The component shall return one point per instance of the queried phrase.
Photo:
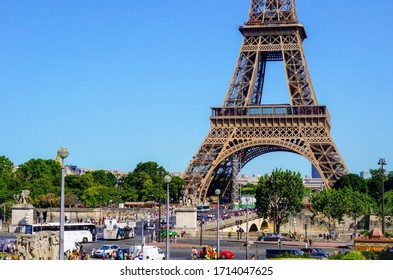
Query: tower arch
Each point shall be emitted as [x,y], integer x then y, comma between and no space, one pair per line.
[244,128]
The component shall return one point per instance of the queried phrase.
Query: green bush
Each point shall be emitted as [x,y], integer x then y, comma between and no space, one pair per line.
[364,232]
[289,256]
[371,255]
[354,255]
[388,234]
[386,255]
[336,257]
[363,255]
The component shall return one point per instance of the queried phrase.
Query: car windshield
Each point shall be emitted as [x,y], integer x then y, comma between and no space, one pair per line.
[105,247]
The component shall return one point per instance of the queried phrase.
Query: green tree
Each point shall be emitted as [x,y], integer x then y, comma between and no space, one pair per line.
[39,176]
[353,181]
[175,188]
[96,196]
[248,189]
[7,179]
[329,206]
[78,184]
[388,208]
[146,183]
[375,184]
[278,195]
[357,204]
[103,178]
[127,189]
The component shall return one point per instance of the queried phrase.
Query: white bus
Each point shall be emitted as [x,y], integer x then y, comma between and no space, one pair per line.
[77,232]
[202,208]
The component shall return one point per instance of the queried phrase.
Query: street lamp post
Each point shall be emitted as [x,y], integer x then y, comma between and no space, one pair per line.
[167,180]
[4,212]
[382,162]
[218,192]
[62,153]
[247,200]
[201,222]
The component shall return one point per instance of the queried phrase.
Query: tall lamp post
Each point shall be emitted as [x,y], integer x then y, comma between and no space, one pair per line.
[218,192]
[201,222]
[382,162]
[167,180]
[247,200]
[62,153]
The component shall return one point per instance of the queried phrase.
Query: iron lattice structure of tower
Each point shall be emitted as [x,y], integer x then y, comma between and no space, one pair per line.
[243,129]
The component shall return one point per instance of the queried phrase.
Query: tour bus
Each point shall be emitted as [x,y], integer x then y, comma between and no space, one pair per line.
[77,232]
[202,208]
[118,230]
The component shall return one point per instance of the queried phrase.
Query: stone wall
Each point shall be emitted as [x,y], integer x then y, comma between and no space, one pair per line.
[40,246]
[74,214]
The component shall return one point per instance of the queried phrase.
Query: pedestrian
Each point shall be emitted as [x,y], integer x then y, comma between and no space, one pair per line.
[194,253]
[204,251]
[207,255]
[253,257]
[310,241]
[215,254]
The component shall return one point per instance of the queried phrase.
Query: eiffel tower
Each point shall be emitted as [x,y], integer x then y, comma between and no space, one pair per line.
[243,128]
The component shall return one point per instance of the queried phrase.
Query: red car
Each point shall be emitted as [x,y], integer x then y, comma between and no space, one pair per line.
[223,254]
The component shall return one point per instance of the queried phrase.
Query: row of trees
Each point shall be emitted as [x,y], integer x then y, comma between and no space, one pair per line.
[281,194]
[95,188]
[278,195]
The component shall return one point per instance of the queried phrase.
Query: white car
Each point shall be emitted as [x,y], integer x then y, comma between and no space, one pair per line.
[104,249]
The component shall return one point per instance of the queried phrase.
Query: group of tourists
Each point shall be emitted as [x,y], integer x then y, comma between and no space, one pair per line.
[209,253]
[77,254]
[9,250]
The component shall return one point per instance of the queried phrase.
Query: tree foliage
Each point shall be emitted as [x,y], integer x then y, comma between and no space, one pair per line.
[278,195]
[329,206]
[374,184]
[94,188]
[248,189]
[353,181]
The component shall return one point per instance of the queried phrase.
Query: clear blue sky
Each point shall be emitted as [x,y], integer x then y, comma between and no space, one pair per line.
[122,82]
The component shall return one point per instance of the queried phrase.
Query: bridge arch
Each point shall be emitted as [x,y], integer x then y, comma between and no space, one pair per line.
[246,150]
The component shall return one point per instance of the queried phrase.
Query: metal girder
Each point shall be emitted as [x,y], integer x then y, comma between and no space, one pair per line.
[244,126]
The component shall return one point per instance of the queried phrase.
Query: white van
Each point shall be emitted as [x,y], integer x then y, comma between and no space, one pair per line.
[148,252]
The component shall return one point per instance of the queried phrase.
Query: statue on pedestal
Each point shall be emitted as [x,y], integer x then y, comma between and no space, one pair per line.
[23,197]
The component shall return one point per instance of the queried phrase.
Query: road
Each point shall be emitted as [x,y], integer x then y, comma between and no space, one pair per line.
[182,249]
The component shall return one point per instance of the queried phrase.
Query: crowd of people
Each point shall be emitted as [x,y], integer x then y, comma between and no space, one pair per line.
[9,249]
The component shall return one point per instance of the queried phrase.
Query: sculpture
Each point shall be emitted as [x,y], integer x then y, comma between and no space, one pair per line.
[23,197]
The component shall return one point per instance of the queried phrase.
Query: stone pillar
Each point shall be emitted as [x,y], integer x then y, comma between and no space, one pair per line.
[186,219]
[22,214]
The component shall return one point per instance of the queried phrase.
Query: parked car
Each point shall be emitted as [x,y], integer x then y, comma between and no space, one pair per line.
[223,254]
[107,249]
[271,253]
[316,253]
[271,237]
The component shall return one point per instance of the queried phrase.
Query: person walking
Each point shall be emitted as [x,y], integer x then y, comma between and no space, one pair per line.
[194,253]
